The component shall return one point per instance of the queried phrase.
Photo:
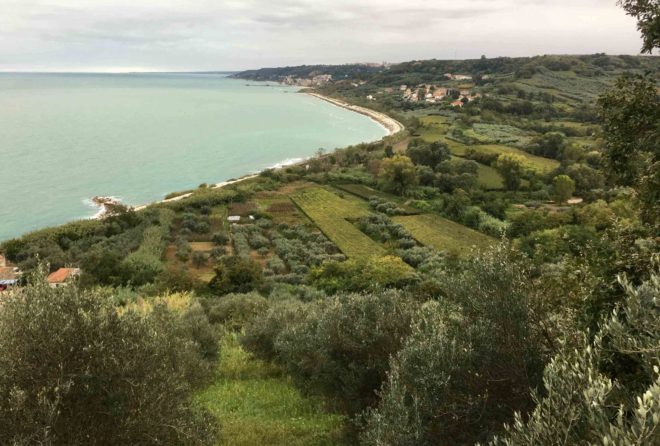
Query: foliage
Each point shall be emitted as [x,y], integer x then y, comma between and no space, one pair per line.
[341,346]
[398,174]
[236,275]
[73,371]
[428,154]
[631,124]
[510,166]
[581,403]
[468,363]
[563,187]
[235,310]
[647,14]
[361,274]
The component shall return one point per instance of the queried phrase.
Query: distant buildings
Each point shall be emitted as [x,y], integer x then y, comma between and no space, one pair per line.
[314,81]
[9,274]
[62,277]
[458,77]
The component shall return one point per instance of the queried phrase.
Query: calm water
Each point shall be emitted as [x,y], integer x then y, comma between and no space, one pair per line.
[67,138]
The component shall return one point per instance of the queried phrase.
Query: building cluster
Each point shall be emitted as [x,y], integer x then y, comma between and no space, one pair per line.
[458,77]
[10,276]
[434,93]
[314,81]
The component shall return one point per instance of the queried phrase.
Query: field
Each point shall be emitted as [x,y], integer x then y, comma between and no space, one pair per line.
[443,234]
[367,192]
[489,178]
[257,405]
[330,213]
[436,129]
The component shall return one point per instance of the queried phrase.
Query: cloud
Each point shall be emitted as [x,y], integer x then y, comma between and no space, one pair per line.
[236,34]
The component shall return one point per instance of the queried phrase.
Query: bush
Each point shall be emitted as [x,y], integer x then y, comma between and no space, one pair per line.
[235,310]
[74,371]
[339,348]
[259,335]
[362,274]
[236,275]
[581,403]
[468,364]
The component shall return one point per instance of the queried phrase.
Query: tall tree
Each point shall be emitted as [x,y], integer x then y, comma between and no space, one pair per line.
[647,13]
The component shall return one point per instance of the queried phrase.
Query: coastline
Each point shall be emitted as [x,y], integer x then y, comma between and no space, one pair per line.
[391,125]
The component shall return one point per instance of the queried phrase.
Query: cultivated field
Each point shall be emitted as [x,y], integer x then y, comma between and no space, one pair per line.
[330,213]
[443,234]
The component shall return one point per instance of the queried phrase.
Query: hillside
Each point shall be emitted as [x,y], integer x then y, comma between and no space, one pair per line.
[417,289]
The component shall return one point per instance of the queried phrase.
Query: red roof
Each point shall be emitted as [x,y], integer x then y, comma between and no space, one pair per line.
[62,274]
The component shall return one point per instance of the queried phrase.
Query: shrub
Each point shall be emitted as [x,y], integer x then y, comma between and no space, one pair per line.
[236,275]
[220,238]
[74,371]
[260,334]
[468,364]
[362,274]
[340,347]
[582,404]
[235,310]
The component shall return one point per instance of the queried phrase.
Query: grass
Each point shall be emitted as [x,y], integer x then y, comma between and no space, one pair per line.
[489,178]
[257,405]
[445,235]
[366,192]
[331,213]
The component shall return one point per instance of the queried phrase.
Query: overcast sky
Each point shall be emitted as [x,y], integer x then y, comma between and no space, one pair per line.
[181,35]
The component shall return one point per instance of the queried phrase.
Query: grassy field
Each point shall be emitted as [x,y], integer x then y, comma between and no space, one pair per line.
[443,234]
[257,405]
[330,213]
[366,192]
[436,128]
[489,178]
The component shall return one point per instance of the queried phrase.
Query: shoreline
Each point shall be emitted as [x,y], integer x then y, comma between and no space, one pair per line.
[391,125]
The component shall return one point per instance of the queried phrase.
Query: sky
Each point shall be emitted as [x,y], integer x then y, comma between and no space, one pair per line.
[199,35]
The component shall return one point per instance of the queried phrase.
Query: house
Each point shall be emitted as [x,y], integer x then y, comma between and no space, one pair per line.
[370,98]
[9,274]
[403,87]
[440,92]
[62,276]
[457,103]
[234,218]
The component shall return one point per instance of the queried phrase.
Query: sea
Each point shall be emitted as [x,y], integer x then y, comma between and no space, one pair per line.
[65,138]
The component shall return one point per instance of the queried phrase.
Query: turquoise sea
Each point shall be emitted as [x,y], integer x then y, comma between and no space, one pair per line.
[65,138]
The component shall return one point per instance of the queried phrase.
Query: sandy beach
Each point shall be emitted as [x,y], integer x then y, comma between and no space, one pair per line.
[392,125]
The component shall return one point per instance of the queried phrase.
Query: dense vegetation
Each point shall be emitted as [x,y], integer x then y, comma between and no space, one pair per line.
[488,276]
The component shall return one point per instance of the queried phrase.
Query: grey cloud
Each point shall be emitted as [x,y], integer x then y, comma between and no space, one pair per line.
[226,34]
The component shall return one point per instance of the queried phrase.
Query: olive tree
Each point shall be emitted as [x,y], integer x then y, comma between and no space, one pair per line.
[73,370]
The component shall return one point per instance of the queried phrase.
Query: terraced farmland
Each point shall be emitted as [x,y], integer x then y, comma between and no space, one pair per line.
[366,192]
[330,213]
[445,235]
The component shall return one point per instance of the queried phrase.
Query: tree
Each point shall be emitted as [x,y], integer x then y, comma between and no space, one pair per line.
[73,370]
[647,13]
[236,274]
[550,145]
[584,405]
[563,188]
[510,166]
[399,173]
[428,154]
